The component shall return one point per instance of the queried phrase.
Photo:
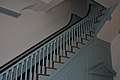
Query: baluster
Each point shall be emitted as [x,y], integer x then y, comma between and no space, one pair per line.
[63,37]
[72,36]
[92,25]
[31,67]
[74,33]
[37,60]
[47,52]
[21,71]
[16,72]
[49,55]
[36,66]
[9,75]
[77,32]
[45,59]
[4,76]
[26,69]
[0,76]
[51,59]
[88,26]
[57,47]
[34,55]
[43,63]
[85,27]
[61,45]
[41,60]
[55,50]
[33,62]
[67,40]
[82,29]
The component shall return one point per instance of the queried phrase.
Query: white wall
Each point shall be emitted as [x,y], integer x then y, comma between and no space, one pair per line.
[115,50]
[19,34]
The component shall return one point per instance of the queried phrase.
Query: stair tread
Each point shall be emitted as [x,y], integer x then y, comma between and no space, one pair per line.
[65,56]
[44,74]
[70,51]
[51,68]
[76,47]
[59,62]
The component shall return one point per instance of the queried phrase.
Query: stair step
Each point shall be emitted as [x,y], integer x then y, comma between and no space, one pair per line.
[44,74]
[51,68]
[58,62]
[70,51]
[65,56]
[75,47]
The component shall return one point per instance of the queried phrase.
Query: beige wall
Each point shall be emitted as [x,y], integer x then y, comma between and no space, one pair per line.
[19,34]
[112,27]
[115,49]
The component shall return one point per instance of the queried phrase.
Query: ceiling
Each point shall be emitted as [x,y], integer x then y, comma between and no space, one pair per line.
[36,5]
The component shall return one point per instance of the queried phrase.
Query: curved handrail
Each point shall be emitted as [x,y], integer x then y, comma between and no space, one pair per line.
[41,43]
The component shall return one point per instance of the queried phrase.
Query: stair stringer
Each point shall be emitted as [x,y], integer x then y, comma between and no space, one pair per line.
[79,65]
[74,63]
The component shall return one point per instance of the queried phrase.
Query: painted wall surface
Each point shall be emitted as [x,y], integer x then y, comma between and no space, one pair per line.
[19,34]
[115,49]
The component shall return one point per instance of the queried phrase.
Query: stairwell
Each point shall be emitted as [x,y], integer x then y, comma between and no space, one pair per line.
[62,53]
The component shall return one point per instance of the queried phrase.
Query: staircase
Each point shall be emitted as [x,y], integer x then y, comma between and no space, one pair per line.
[47,59]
